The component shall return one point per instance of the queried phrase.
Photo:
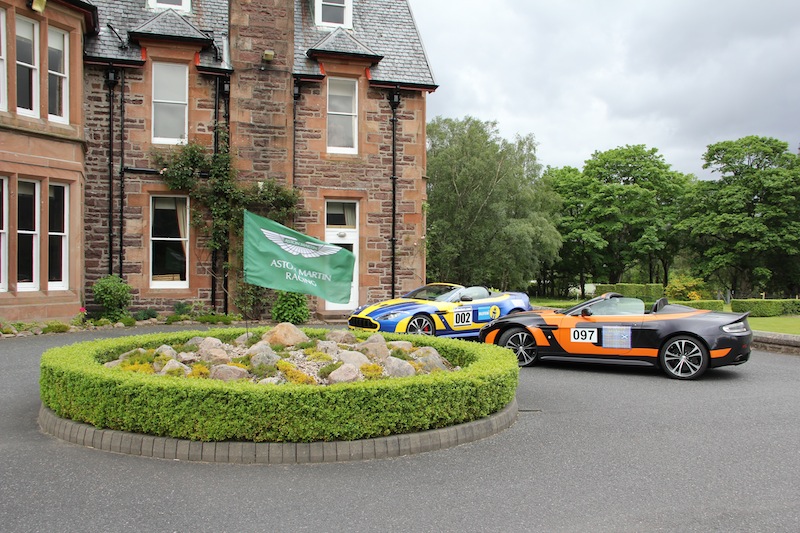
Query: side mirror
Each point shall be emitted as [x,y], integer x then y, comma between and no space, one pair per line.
[586,312]
[466,298]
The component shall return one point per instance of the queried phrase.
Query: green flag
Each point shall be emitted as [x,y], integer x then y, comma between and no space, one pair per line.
[280,258]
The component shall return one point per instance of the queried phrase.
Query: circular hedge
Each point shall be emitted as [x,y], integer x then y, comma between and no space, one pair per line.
[74,384]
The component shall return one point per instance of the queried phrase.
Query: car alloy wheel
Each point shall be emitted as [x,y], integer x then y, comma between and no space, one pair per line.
[684,358]
[521,342]
[420,325]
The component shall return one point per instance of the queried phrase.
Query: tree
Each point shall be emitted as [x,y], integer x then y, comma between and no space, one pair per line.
[745,227]
[490,217]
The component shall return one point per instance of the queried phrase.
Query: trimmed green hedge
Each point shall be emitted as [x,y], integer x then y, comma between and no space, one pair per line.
[712,305]
[761,307]
[645,291]
[75,385]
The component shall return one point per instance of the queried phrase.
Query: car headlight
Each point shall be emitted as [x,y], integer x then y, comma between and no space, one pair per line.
[736,327]
[390,316]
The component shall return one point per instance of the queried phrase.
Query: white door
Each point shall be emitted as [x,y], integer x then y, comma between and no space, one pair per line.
[341,229]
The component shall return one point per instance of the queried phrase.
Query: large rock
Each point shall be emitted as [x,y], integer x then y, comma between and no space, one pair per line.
[397,368]
[264,358]
[341,336]
[344,374]
[173,365]
[285,334]
[374,346]
[228,372]
[352,358]
[169,351]
[430,359]
[328,347]
[215,356]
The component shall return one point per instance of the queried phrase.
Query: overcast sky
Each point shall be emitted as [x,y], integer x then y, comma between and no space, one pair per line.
[591,75]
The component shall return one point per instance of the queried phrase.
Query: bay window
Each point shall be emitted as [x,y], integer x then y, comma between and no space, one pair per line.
[3,234]
[57,75]
[27,236]
[27,67]
[58,265]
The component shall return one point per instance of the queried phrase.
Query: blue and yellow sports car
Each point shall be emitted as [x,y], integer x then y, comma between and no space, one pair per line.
[441,309]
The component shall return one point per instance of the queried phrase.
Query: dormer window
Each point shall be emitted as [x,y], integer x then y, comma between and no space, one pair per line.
[334,13]
[181,5]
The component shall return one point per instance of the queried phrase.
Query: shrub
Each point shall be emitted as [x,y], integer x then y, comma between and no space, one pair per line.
[55,327]
[200,371]
[327,370]
[145,314]
[114,295]
[759,307]
[711,305]
[372,371]
[291,307]
[75,385]
[682,287]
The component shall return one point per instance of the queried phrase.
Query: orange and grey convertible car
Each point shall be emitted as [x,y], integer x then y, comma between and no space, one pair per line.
[681,340]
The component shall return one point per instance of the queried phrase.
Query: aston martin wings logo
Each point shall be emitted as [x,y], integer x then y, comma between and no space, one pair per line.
[291,245]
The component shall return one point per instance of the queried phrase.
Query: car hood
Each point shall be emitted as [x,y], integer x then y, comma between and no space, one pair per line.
[397,305]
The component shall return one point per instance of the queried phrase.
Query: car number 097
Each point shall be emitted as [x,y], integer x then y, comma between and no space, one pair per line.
[584,335]
[462,316]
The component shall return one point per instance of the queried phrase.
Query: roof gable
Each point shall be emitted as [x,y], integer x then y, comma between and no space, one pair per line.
[171,26]
[340,42]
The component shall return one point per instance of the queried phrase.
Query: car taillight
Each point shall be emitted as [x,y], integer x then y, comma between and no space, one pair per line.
[736,327]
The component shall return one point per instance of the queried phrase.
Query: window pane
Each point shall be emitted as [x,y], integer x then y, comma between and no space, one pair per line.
[165,219]
[341,214]
[25,258]
[332,14]
[24,87]
[341,96]
[340,131]
[55,94]
[55,51]
[26,202]
[57,209]
[169,82]
[2,205]
[170,120]
[169,259]
[25,42]
[55,268]
[170,2]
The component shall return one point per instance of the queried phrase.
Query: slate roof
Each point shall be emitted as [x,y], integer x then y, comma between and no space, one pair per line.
[124,22]
[384,28]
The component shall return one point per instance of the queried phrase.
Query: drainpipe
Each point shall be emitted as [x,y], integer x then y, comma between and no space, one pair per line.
[394,102]
[111,82]
[122,172]
[216,149]
[296,100]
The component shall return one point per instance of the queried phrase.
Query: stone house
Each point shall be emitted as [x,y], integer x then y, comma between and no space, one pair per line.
[325,96]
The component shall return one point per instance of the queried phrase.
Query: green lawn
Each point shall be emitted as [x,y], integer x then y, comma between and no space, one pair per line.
[776,324]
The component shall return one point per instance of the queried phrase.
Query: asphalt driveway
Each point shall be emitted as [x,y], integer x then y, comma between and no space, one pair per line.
[593,449]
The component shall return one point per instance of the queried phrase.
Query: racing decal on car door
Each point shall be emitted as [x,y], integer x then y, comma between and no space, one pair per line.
[617,337]
[462,316]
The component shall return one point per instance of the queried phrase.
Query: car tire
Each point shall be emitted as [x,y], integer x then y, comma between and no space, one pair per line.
[684,357]
[521,342]
[421,325]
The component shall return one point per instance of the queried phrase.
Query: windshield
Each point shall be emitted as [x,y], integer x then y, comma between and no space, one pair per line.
[439,293]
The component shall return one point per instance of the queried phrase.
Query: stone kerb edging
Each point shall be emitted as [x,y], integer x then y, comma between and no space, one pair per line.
[776,342]
[275,452]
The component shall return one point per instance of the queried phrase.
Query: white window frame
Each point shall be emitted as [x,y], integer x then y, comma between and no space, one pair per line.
[177,284]
[347,236]
[347,5]
[353,115]
[174,100]
[4,234]
[33,67]
[185,5]
[63,284]
[61,36]
[3,75]
[23,286]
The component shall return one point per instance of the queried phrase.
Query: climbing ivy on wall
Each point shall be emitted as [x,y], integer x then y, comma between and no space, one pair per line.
[218,200]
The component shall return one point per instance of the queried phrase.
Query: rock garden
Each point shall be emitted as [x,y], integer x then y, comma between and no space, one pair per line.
[279,384]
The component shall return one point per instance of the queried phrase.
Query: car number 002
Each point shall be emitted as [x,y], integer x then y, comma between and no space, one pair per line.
[462,316]
[584,335]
